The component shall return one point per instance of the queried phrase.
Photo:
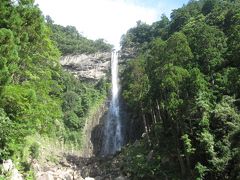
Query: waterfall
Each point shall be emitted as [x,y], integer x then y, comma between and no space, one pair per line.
[112,140]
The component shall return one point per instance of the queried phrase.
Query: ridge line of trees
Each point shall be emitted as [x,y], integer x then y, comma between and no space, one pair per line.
[184,86]
[70,41]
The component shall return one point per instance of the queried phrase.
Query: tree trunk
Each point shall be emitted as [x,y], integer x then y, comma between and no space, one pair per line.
[155,122]
[145,125]
[160,117]
[189,166]
[153,116]
[177,145]
[181,162]
[158,110]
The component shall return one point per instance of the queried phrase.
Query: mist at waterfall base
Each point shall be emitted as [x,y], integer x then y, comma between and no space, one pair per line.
[113,139]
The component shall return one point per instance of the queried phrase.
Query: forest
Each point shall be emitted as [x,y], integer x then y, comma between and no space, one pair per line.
[37,97]
[184,87]
[70,41]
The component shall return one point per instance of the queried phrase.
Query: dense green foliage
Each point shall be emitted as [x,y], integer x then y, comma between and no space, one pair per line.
[70,41]
[78,99]
[184,84]
[36,96]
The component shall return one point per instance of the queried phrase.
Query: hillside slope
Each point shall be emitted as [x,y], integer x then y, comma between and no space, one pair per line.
[183,86]
[39,100]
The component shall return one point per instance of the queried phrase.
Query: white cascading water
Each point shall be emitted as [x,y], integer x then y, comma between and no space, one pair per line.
[113,140]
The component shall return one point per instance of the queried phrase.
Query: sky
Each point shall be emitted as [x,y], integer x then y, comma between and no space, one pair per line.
[107,19]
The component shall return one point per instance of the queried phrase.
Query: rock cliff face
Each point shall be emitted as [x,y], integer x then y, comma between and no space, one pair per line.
[91,68]
[87,66]
[127,54]
[93,132]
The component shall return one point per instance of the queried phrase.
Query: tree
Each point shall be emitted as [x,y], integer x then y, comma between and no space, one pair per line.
[159,28]
[178,51]
[179,18]
[9,57]
[234,45]
[137,36]
[208,6]
[137,89]
[212,42]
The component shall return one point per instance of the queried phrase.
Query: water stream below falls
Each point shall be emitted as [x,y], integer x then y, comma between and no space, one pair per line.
[113,140]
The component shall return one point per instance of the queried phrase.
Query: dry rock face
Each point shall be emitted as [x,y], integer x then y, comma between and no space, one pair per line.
[127,54]
[98,168]
[9,167]
[93,131]
[87,66]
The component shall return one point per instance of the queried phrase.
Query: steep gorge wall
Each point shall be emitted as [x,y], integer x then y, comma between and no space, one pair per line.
[93,132]
[90,68]
[87,66]
[93,67]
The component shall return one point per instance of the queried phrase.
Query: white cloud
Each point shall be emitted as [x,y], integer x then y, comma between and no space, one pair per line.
[107,19]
